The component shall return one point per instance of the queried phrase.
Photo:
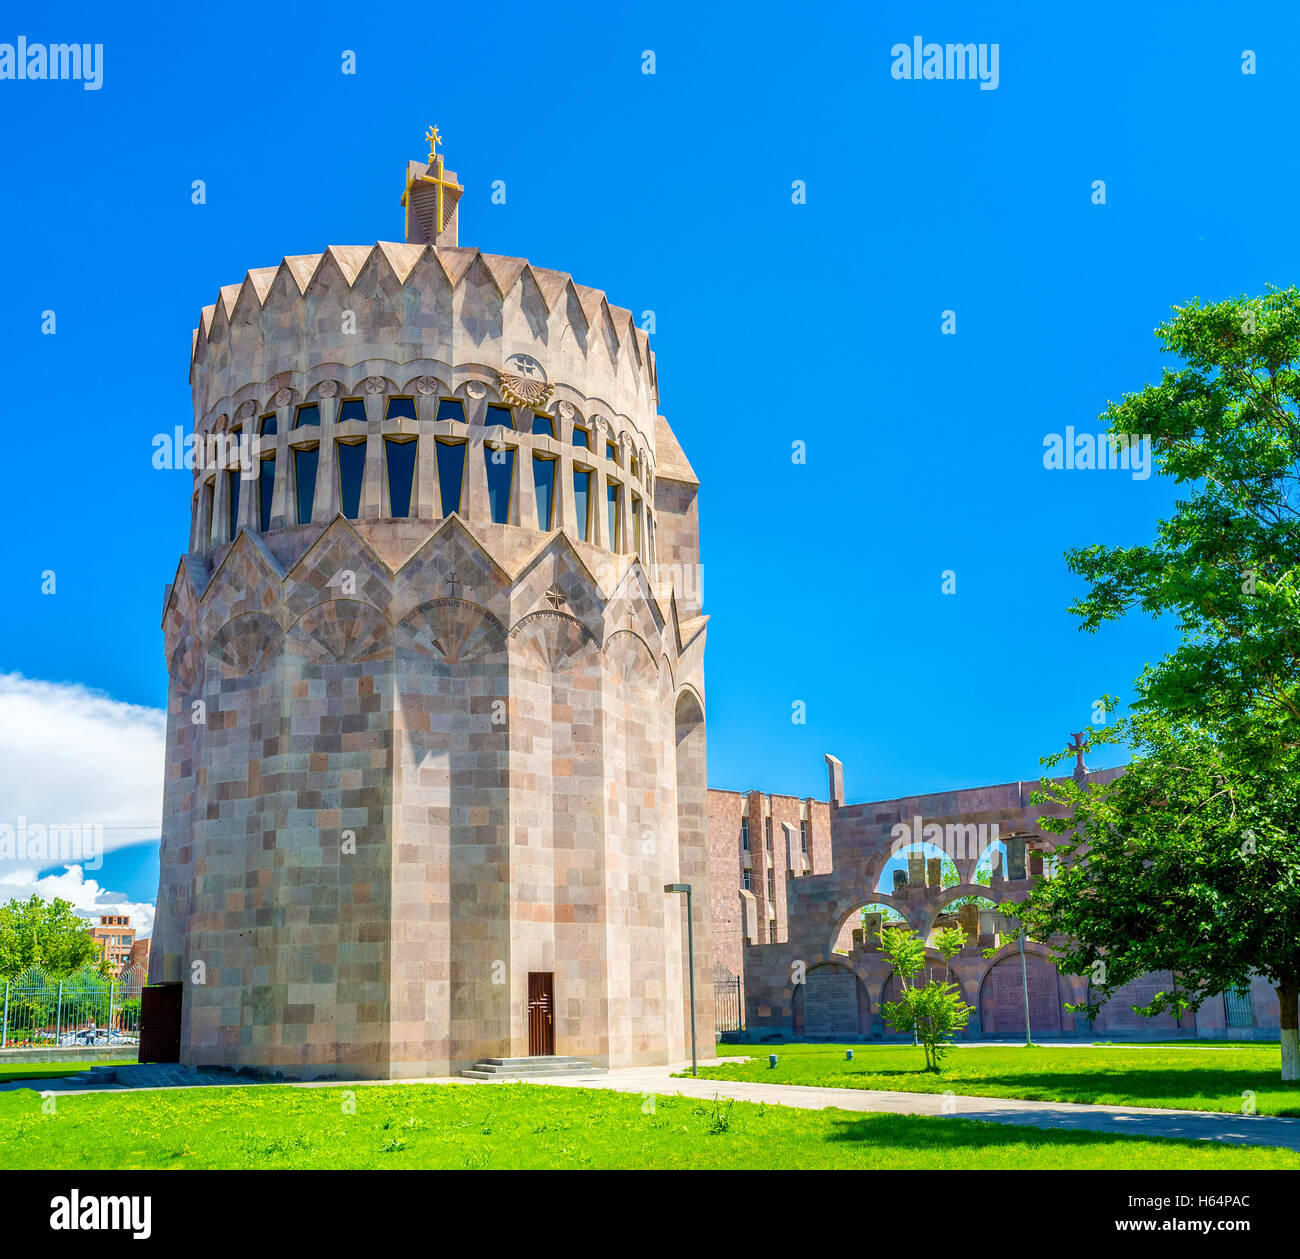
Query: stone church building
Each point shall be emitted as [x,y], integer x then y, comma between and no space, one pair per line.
[435,736]
[435,750]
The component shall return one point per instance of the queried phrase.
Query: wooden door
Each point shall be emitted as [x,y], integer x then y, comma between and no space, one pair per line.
[541,1007]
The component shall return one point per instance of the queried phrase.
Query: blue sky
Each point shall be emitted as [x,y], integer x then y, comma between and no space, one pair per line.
[775,322]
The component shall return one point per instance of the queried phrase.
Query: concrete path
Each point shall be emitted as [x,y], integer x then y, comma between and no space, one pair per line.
[1129,1121]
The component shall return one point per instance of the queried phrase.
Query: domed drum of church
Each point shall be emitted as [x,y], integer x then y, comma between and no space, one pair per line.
[435,736]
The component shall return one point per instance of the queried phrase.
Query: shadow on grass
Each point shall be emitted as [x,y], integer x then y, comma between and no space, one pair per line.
[968,1131]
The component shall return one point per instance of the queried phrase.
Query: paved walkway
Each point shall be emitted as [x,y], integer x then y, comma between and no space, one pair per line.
[1129,1121]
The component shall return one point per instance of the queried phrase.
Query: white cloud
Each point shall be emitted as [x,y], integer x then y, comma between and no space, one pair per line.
[69,754]
[84,893]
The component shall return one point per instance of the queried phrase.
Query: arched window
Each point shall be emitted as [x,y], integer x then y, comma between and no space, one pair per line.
[451,472]
[352,409]
[400,409]
[500,477]
[611,452]
[265,491]
[614,501]
[544,484]
[582,501]
[268,425]
[543,425]
[232,502]
[399,461]
[352,467]
[304,481]
[451,409]
[308,413]
[205,519]
[581,437]
[498,415]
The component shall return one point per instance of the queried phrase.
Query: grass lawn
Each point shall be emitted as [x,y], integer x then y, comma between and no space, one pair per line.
[535,1126]
[54,1070]
[1178,1076]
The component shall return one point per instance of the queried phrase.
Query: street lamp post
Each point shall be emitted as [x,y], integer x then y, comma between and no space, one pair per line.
[690,962]
[1024,980]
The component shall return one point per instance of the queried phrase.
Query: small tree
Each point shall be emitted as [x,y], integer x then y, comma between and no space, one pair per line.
[934,1011]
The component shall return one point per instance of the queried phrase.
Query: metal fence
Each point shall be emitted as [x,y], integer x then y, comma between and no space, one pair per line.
[728,1008]
[65,1016]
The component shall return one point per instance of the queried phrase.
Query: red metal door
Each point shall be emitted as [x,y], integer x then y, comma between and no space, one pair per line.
[541,1021]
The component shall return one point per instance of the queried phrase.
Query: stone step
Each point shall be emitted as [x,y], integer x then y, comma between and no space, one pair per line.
[529,1068]
[538,1060]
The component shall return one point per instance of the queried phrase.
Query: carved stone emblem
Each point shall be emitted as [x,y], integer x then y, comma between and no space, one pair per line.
[283,397]
[374,384]
[426,385]
[328,388]
[523,382]
[476,389]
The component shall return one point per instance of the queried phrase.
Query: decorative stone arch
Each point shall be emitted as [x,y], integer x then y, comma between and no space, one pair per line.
[338,631]
[632,658]
[994,998]
[246,646]
[955,893]
[842,921]
[558,639]
[832,1003]
[452,630]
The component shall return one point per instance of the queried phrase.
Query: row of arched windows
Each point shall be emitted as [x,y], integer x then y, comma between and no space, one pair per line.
[399,465]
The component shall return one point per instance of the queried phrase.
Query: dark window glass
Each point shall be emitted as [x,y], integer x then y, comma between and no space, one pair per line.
[636,524]
[400,409]
[351,409]
[352,466]
[265,491]
[232,502]
[400,457]
[451,471]
[308,413]
[611,451]
[304,479]
[544,482]
[268,425]
[748,880]
[744,834]
[500,476]
[451,409]
[582,501]
[803,836]
[614,501]
[498,415]
[543,425]
[207,514]
[580,438]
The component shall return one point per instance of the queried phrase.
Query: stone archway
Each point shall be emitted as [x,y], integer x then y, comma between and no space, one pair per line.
[831,1004]
[1001,1002]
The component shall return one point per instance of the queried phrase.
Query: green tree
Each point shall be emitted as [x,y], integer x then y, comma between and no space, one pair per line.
[934,1011]
[46,934]
[1225,426]
[1188,862]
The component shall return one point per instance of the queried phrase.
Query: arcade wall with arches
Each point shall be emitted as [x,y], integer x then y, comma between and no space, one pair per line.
[793,929]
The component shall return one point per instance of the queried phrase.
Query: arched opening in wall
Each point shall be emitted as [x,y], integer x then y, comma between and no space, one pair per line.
[1117,1016]
[831,1004]
[868,919]
[1001,1003]
[693,858]
[920,863]
[975,915]
[995,854]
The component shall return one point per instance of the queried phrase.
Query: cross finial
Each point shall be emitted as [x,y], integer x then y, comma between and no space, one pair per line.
[434,138]
[1078,747]
[452,584]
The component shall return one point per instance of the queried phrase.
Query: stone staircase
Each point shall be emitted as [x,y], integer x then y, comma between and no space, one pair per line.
[539,1068]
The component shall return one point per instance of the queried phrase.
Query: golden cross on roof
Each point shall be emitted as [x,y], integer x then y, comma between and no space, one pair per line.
[434,140]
